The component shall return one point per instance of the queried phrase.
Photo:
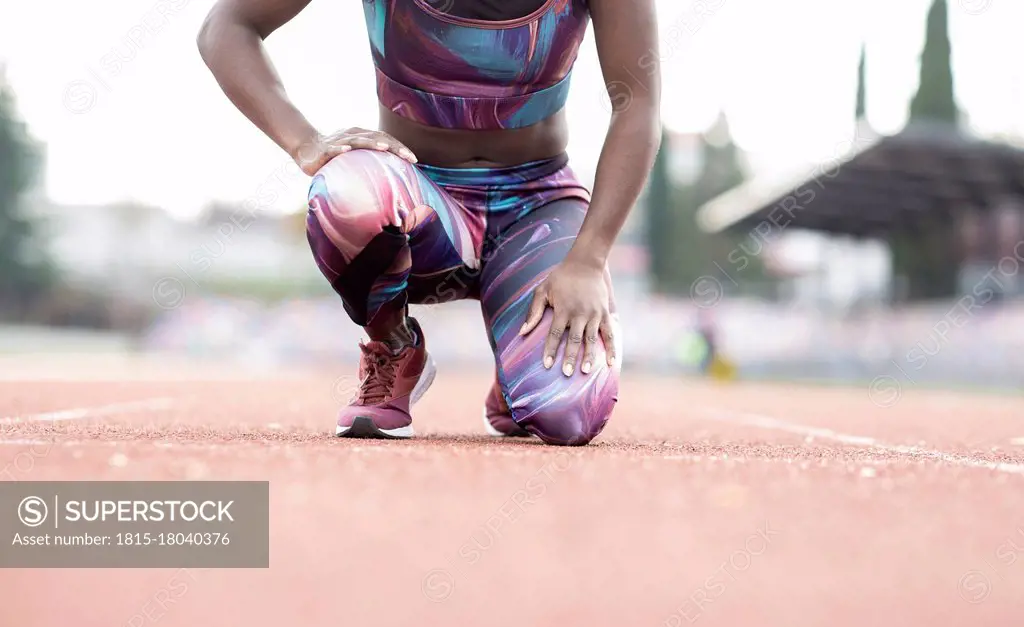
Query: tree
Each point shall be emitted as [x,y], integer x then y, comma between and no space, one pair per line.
[720,171]
[934,101]
[921,257]
[681,252]
[861,110]
[659,213]
[25,272]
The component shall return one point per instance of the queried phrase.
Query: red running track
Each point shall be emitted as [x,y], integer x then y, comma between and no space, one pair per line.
[713,504]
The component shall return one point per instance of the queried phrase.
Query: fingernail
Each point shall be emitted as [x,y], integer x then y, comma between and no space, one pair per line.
[346,148]
[567,370]
[586,368]
[548,362]
[522,329]
[382,145]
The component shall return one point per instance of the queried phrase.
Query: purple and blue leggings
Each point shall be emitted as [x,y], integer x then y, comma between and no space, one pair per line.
[387,233]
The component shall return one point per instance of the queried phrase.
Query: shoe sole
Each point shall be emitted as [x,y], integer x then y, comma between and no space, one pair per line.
[491,431]
[364,427]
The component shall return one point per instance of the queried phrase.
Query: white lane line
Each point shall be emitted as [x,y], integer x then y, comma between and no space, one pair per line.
[78,413]
[767,422]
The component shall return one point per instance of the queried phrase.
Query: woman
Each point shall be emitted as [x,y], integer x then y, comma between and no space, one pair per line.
[465,192]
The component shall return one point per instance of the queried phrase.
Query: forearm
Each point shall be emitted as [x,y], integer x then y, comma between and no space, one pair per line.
[235,54]
[634,136]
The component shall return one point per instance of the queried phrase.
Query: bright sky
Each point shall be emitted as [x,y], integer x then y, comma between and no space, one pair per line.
[118,91]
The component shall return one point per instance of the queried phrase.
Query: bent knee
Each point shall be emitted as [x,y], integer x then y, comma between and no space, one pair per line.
[569,417]
[355,195]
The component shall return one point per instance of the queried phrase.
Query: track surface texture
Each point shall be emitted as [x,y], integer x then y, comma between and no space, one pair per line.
[702,503]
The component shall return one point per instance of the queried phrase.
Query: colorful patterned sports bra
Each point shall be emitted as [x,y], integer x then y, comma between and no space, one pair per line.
[446,71]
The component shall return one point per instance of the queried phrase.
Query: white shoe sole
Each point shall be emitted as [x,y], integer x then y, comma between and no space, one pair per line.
[363,427]
[491,431]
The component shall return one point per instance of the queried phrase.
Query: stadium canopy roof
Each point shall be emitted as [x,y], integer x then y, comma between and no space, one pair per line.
[924,174]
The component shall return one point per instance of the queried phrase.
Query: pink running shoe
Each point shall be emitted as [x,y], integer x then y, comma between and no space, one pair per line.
[498,417]
[390,383]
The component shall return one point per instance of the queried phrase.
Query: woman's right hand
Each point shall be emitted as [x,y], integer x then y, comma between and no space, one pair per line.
[315,154]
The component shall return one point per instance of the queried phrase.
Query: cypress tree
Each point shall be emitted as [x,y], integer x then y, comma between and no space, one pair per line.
[660,210]
[934,100]
[861,111]
[923,256]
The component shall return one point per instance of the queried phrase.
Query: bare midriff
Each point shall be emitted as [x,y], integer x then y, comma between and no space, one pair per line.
[456,148]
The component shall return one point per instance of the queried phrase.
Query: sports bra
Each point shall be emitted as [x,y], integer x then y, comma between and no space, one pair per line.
[446,71]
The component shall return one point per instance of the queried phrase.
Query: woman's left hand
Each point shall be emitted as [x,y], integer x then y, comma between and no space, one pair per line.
[580,298]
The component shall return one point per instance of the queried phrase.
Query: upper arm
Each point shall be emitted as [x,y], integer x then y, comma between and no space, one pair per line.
[626,33]
[263,16]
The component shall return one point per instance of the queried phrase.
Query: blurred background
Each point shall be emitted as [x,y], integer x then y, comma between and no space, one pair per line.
[839,194]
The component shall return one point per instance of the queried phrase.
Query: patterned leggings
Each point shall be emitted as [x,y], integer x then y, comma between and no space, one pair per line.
[386,233]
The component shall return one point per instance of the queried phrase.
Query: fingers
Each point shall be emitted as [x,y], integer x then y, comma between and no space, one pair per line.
[390,144]
[608,333]
[554,338]
[537,306]
[371,140]
[572,346]
[329,147]
[590,338]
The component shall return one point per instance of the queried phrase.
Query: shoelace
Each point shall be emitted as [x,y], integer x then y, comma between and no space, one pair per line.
[379,379]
